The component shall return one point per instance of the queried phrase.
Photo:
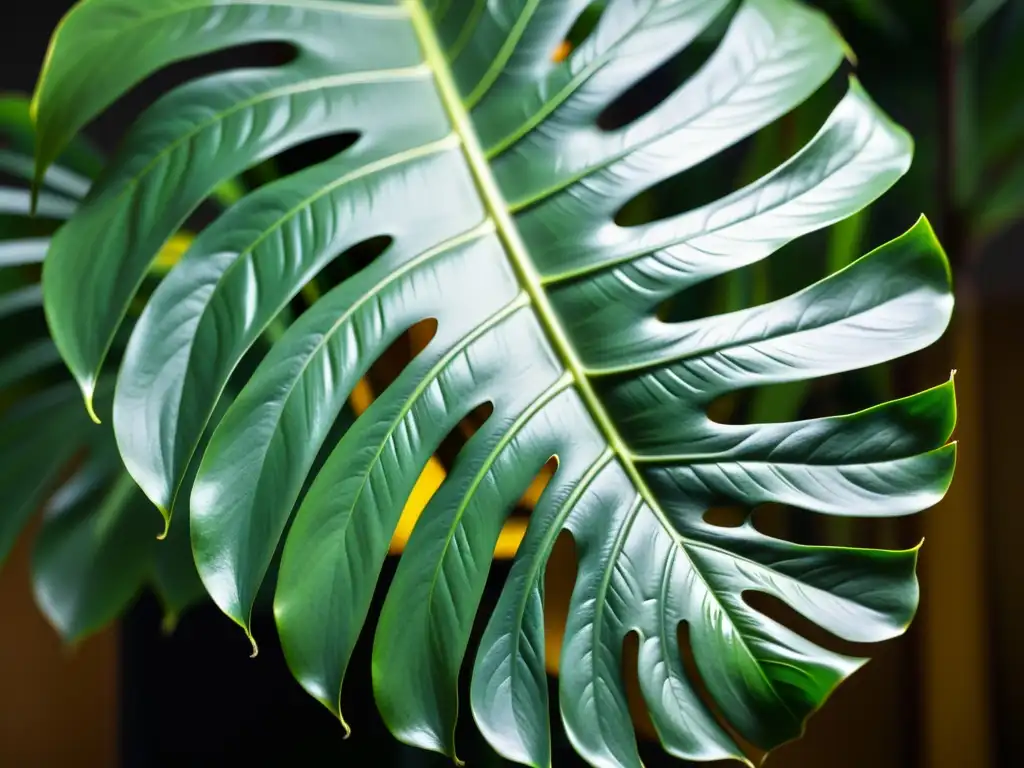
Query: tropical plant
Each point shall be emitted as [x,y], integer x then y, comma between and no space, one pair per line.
[485,176]
[95,549]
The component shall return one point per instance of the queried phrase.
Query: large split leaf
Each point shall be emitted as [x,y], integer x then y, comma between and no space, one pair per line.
[485,164]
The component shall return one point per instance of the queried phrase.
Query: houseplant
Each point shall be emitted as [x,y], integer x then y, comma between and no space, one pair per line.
[491,160]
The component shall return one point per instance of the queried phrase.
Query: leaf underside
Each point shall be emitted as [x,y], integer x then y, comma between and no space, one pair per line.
[483,161]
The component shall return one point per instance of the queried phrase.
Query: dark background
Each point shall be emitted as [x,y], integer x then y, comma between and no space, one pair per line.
[948,693]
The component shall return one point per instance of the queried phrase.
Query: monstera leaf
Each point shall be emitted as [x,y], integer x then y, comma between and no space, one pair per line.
[486,166]
[95,549]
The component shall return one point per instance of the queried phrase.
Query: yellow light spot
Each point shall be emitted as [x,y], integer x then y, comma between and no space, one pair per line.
[419,336]
[434,474]
[429,481]
[362,397]
[510,539]
[540,482]
[562,52]
[173,250]
[311,292]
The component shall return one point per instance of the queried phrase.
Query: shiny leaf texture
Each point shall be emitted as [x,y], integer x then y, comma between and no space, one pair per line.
[482,158]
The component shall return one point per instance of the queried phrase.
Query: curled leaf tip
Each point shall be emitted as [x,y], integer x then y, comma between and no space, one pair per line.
[90,408]
[167,522]
[255,648]
[348,730]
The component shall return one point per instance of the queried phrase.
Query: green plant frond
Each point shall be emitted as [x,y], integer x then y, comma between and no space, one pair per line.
[483,160]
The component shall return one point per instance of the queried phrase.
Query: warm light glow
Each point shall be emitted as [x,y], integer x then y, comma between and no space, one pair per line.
[361,397]
[173,250]
[532,495]
[510,539]
[429,481]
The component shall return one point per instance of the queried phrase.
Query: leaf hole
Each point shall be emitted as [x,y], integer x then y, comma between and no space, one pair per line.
[779,611]
[432,476]
[810,528]
[742,288]
[771,404]
[700,687]
[581,29]
[514,530]
[313,151]
[468,426]
[638,711]
[726,516]
[348,263]
[810,399]
[532,495]
[390,364]
[660,83]
[736,166]
[145,93]
[286,162]
[705,183]
[559,579]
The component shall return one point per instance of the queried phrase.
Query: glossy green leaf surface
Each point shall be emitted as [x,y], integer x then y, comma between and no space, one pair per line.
[486,166]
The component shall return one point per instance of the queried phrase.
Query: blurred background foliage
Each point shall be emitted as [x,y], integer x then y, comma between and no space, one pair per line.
[949,71]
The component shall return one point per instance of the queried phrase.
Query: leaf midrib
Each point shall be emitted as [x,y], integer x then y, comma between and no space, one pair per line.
[515,248]
[529,278]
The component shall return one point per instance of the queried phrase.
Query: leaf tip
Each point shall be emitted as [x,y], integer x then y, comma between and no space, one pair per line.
[252,641]
[165,514]
[924,226]
[848,53]
[348,730]
[89,406]
[169,623]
